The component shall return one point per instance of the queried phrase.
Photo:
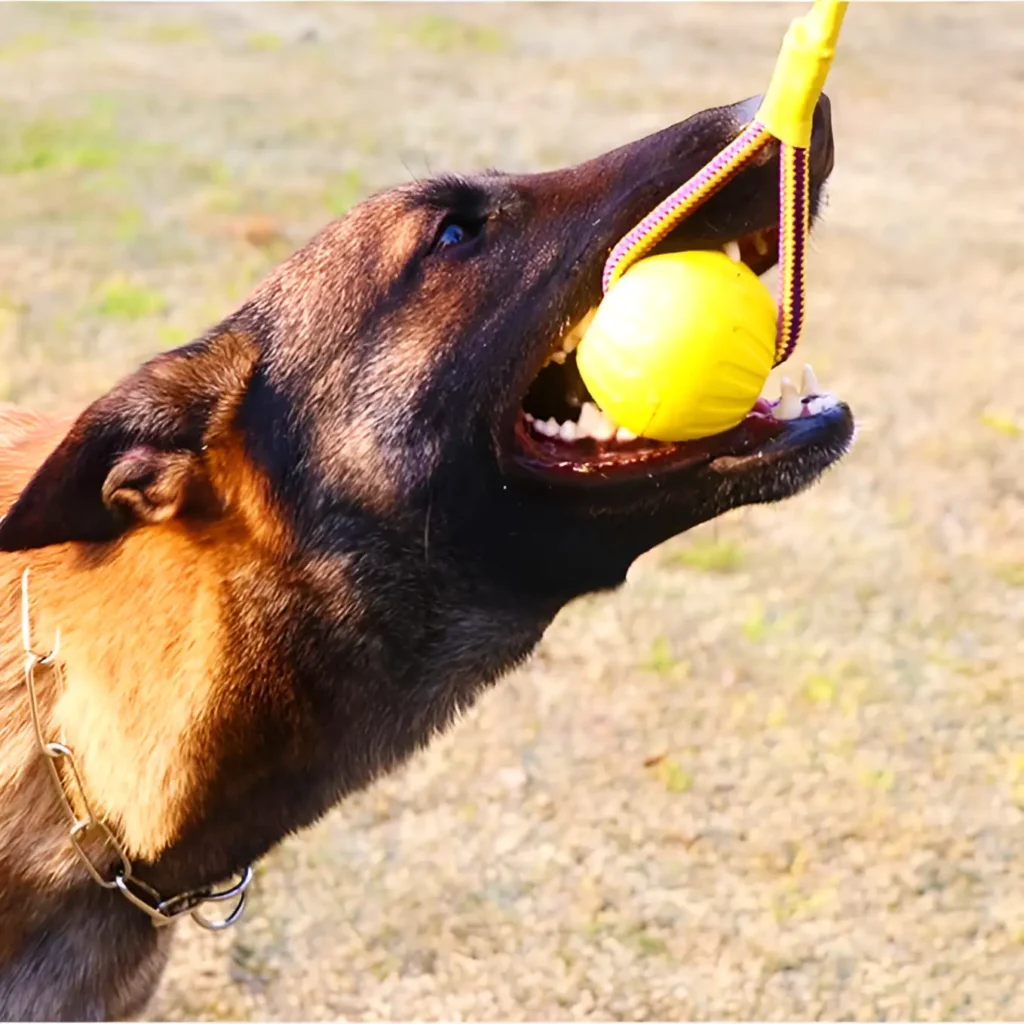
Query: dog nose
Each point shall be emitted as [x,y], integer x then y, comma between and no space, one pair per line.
[823,149]
[745,110]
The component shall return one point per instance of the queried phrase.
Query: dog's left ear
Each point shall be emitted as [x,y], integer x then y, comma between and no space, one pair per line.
[136,455]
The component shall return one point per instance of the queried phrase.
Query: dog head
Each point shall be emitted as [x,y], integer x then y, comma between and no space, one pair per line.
[361,460]
[398,371]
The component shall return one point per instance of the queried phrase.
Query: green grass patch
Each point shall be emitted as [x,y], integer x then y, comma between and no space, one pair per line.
[343,192]
[820,689]
[175,32]
[661,658]
[710,556]
[24,45]
[1010,572]
[1002,423]
[878,778]
[755,625]
[128,224]
[49,142]
[121,299]
[673,776]
[441,34]
[264,42]
[173,335]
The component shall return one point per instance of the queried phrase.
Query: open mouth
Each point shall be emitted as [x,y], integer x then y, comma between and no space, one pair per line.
[562,432]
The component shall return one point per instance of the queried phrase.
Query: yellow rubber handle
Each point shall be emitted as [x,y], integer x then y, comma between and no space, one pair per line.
[787,110]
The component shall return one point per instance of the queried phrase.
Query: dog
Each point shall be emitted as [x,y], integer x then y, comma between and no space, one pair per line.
[284,556]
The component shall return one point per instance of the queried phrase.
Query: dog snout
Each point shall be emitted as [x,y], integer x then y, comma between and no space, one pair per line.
[823,149]
[822,143]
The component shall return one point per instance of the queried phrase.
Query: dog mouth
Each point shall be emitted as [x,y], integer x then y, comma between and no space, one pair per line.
[561,433]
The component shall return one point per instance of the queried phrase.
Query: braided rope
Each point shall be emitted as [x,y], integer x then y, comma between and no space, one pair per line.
[794,223]
[683,201]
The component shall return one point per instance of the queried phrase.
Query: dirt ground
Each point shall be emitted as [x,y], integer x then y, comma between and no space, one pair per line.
[781,773]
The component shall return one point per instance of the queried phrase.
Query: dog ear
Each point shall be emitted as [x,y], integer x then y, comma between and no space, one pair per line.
[135,456]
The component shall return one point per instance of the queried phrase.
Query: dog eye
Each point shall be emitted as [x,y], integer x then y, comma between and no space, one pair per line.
[456,231]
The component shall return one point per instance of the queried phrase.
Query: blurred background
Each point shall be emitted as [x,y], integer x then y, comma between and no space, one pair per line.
[781,773]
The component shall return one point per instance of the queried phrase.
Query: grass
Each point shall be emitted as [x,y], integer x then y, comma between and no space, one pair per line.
[820,690]
[129,223]
[121,299]
[766,737]
[440,34]
[264,42]
[24,45]
[755,625]
[709,556]
[1010,572]
[173,335]
[673,776]
[62,144]
[1002,423]
[343,192]
[174,32]
[446,35]
[882,779]
[661,658]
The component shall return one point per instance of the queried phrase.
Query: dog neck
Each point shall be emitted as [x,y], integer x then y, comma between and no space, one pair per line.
[142,653]
[222,690]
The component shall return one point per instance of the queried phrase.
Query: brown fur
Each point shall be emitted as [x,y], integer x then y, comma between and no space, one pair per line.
[283,557]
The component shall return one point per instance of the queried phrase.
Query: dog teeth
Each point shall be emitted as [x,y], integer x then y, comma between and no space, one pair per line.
[821,403]
[760,243]
[789,406]
[557,357]
[732,250]
[574,335]
[594,423]
[808,381]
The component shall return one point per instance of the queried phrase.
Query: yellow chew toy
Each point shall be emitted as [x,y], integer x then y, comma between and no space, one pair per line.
[682,344]
[681,347]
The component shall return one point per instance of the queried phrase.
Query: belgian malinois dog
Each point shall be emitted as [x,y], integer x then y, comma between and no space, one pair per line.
[284,556]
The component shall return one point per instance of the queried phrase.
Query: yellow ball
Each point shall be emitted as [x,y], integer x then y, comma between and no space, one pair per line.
[681,346]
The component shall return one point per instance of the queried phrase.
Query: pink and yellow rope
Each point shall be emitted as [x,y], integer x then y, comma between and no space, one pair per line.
[788,107]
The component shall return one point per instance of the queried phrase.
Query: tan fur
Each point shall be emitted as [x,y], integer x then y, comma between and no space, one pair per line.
[126,702]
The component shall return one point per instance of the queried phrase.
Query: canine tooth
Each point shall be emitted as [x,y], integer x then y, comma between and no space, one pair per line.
[557,357]
[624,434]
[760,243]
[821,403]
[789,405]
[567,431]
[732,250]
[590,416]
[594,423]
[575,335]
[808,382]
